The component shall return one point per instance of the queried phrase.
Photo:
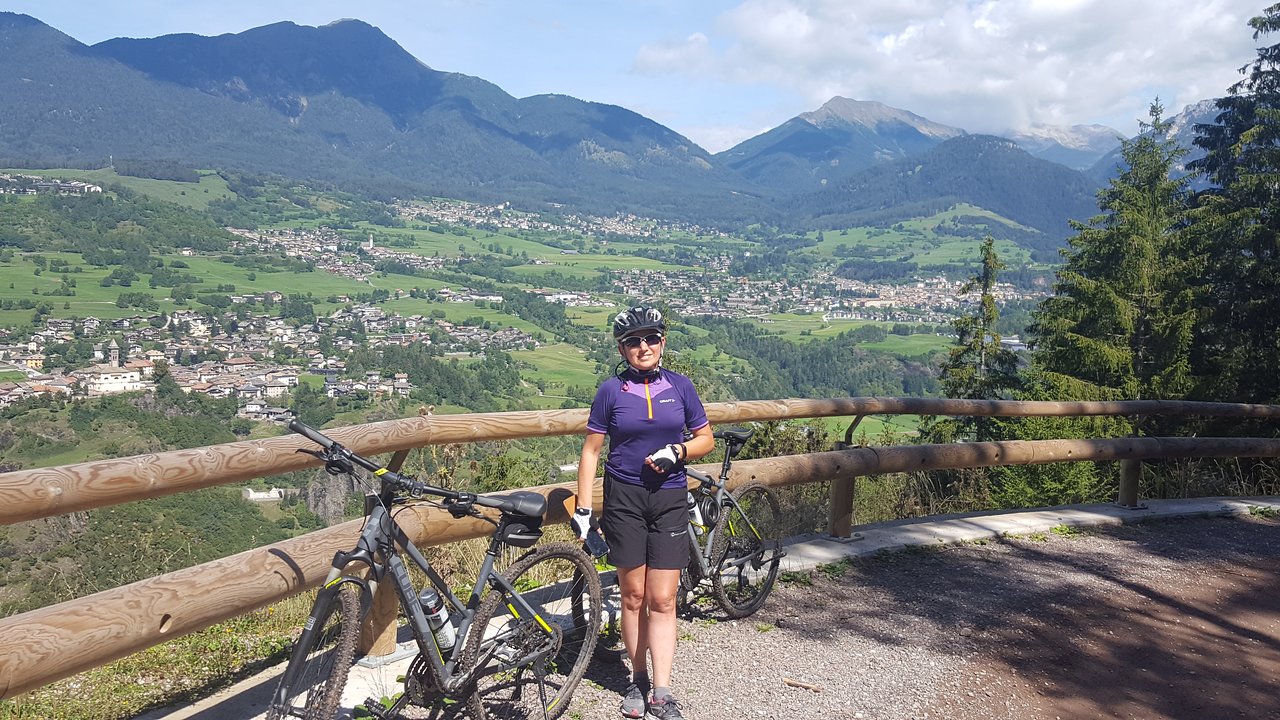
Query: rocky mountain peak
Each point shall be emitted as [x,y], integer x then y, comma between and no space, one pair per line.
[840,111]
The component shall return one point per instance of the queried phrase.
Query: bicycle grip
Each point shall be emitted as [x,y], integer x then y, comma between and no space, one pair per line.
[310,433]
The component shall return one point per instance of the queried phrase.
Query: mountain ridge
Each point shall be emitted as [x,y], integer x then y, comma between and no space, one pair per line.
[344,103]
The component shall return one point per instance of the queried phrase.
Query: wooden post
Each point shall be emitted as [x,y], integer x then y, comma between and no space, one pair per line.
[1130,474]
[840,515]
[378,633]
[840,512]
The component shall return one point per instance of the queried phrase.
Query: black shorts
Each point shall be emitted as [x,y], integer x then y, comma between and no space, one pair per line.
[645,527]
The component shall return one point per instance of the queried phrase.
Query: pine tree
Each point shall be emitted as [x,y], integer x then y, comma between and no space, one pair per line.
[1236,234]
[978,366]
[1120,321]
[1118,325]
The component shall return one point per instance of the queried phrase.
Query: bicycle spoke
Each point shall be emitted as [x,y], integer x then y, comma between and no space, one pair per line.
[314,690]
[746,550]
[507,649]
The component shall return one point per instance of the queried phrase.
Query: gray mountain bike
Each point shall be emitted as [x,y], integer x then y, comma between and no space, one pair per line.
[736,538]
[515,651]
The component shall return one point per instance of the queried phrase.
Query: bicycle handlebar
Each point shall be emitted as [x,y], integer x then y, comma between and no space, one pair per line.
[386,475]
[310,433]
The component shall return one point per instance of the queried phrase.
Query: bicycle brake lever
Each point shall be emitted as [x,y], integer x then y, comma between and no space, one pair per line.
[458,510]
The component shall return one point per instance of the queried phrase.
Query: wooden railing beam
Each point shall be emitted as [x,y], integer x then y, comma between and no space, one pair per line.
[45,492]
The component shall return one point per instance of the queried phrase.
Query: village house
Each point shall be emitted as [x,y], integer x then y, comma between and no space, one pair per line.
[101,380]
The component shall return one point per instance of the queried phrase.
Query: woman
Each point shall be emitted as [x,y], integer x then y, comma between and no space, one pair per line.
[645,411]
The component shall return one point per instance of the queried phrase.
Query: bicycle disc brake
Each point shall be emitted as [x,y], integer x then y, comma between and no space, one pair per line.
[422,691]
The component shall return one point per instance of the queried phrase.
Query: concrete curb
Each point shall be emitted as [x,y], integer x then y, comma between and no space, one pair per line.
[809,551]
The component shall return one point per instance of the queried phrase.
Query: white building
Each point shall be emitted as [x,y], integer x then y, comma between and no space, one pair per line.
[109,379]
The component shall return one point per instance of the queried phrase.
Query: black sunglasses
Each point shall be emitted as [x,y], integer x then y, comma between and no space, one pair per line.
[635,340]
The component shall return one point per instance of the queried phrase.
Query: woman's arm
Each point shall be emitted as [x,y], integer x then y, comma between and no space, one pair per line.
[700,444]
[587,466]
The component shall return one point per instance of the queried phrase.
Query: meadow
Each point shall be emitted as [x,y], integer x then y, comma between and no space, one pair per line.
[918,241]
[193,195]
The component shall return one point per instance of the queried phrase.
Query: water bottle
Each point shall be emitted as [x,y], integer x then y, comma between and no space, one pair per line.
[438,618]
[695,515]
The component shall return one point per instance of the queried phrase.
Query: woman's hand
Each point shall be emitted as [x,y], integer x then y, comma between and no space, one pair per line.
[580,521]
[663,460]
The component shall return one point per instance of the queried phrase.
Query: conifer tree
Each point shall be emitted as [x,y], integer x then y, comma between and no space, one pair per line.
[1119,324]
[978,367]
[1236,233]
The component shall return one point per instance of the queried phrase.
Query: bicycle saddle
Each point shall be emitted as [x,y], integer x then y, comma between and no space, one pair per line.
[738,436]
[523,503]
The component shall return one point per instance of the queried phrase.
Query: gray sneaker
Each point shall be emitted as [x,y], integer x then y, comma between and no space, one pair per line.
[633,702]
[668,708]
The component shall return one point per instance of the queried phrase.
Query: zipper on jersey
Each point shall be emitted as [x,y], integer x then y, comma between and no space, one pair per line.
[647,398]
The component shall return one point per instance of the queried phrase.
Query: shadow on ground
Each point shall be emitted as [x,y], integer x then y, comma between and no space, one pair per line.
[1170,619]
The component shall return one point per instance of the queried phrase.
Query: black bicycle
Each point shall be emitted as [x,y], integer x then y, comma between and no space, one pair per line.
[736,538]
[517,647]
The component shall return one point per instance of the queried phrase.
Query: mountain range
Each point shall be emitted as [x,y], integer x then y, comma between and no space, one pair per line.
[345,104]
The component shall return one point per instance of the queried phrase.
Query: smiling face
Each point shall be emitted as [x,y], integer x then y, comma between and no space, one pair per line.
[643,350]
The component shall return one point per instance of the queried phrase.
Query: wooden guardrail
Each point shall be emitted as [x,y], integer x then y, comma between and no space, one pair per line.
[44,492]
[50,643]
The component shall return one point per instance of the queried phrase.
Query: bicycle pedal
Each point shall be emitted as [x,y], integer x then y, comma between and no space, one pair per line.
[374,708]
[506,653]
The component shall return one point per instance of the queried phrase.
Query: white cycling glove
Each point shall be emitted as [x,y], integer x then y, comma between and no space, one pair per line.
[580,521]
[666,458]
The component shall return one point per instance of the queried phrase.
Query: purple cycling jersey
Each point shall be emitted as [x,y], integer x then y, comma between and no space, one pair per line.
[642,415]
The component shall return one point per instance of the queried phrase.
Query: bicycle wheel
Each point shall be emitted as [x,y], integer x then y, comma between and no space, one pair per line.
[323,658]
[522,668]
[684,591]
[746,550]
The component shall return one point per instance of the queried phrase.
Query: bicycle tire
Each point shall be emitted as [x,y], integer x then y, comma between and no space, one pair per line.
[746,564]
[684,592]
[316,690]
[564,581]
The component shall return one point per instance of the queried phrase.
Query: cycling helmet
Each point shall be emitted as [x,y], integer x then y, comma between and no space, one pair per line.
[641,317]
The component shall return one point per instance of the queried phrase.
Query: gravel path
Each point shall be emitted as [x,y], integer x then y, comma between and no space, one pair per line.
[1177,619]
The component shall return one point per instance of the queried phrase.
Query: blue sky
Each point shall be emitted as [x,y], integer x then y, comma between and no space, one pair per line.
[720,71]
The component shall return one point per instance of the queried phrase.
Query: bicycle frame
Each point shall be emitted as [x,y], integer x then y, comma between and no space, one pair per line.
[701,548]
[698,548]
[379,548]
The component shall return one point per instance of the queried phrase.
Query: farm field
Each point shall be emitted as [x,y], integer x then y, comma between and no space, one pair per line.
[917,241]
[193,195]
[558,366]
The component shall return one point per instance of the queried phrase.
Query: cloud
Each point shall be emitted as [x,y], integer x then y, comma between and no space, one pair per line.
[981,65]
[692,54]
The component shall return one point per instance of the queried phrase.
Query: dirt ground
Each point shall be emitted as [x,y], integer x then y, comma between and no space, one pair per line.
[1161,620]
[1166,619]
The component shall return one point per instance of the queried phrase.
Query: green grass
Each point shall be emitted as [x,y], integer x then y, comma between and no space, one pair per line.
[801,328]
[185,668]
[18,278]
[791,325]
[193,195]
[911,345]
[873,428]
[599,319]
[917,241]
[457,312]
[589,266]
[558,366]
